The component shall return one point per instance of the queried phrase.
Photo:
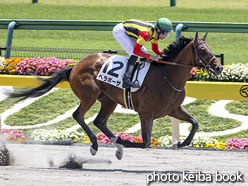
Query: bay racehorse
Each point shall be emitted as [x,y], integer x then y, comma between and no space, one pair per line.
[161,93]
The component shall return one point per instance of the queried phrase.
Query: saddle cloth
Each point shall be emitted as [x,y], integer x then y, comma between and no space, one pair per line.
[114,68]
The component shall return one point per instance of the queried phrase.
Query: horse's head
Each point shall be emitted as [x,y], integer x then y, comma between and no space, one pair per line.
[203,56]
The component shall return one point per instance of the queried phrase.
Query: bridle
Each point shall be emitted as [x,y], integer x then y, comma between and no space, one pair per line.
[197,59]
[203,63]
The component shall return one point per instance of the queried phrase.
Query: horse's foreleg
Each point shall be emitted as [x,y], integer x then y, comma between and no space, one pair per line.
[181,114]
[78,115]
[107,108]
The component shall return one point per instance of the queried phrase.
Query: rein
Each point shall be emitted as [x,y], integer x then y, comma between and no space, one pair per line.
[179,90]
[171,63]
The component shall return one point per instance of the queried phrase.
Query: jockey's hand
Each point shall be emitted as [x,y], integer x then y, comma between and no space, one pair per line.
[163,54]
[155,58]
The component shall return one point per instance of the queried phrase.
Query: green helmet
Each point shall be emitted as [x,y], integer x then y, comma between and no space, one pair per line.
[164,24]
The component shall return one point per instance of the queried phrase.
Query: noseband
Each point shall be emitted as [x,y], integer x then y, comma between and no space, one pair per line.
[199,59]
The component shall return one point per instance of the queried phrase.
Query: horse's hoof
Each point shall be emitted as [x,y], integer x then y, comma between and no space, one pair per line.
[175,146]
[93,151]
[119,154]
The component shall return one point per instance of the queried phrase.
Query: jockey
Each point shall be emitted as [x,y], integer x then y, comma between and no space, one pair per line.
[133,34]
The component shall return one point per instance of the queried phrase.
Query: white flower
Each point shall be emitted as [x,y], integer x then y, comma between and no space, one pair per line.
[199,141]
[235,72]
[2,59]
[165,140]
[202,141]
[54,135]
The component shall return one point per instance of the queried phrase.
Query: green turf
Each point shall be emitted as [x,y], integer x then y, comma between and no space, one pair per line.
[161,127]
[238,107]
[117,122]
[208,122]
[66,123]
[44,109]
[9,102]
[241,4]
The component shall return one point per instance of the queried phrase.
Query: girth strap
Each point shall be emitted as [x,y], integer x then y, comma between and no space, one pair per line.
[128,98]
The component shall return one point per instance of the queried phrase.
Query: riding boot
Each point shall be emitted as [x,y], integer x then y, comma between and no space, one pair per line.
[127,83]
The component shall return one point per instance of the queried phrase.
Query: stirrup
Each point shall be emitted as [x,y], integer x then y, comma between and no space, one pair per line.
[129,84]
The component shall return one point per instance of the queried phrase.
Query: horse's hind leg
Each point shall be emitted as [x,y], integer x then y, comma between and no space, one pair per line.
[107,108]
[181,114]
[146,129]
[78,115]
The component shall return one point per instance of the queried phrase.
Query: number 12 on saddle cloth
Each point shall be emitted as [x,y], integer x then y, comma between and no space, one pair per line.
[114,68]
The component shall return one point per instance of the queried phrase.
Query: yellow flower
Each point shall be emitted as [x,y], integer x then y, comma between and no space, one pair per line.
[219,145]
[208,145]
[84,139]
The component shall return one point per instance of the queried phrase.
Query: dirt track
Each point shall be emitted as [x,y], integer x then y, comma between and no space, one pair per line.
[31,166]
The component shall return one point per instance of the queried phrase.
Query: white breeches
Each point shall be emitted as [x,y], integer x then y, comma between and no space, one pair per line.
[124,40]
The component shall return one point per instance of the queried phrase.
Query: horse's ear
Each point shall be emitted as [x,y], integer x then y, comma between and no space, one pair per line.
[196,38]
[204,37]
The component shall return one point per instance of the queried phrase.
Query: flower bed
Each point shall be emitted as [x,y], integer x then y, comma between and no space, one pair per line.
[102,138]
[54,135]
[39,66]
[196,142]
[236,143]
[231,73]
[14,135]
[8,66]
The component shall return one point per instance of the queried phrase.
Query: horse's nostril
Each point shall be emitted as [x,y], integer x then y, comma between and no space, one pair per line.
[219,69]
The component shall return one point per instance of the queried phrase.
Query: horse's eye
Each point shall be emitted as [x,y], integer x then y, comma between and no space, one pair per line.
[204,52]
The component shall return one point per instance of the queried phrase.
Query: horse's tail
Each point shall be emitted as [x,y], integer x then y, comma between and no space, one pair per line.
[49,83]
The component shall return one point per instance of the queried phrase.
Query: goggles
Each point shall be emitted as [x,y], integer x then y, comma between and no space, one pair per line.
[165,33]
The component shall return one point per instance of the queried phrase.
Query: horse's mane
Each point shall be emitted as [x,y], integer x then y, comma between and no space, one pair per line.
[173,49]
